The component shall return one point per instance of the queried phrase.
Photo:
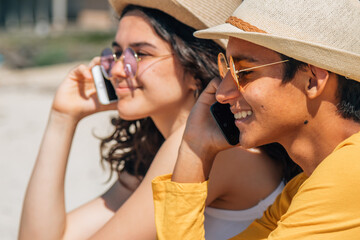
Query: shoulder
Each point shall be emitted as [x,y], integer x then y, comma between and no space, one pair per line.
[292,187]
[239,172]
[332,184]
[341,166]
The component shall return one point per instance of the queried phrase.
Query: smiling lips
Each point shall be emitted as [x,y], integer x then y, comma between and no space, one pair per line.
[242,114]
[127,84]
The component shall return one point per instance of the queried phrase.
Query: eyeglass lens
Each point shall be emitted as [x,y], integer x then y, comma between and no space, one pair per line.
[224,68]
[128,57]
[222,64]
[233,71]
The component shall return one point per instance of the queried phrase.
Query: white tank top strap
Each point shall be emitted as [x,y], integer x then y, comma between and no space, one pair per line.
[224,224]
[246,214]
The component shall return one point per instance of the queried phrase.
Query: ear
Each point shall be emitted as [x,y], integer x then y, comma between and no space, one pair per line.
[318,78]
[193,83]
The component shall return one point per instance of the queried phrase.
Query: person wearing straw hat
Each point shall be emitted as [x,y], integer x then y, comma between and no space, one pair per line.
[158,68]
[296,67]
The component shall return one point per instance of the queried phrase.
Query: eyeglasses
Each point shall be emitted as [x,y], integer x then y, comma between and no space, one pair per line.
[128,57]
[224,68]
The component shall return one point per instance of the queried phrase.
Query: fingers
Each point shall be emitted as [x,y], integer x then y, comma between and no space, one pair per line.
[82,71]
[208,95]
[213,85]
[94,61]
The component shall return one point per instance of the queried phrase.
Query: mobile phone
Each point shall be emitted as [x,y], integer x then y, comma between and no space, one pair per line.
[104,89]
[226,121]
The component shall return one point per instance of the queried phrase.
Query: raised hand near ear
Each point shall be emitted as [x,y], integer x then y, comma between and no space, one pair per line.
[201,129]
[76,95]
[201,142]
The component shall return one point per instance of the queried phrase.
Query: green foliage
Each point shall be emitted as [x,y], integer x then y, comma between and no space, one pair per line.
[21,50]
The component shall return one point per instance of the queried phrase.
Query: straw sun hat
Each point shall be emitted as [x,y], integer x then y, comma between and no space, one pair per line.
[198,14]
[324,33]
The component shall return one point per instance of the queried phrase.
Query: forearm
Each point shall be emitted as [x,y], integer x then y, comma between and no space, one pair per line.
[44,215]
[138,210]
[193,164]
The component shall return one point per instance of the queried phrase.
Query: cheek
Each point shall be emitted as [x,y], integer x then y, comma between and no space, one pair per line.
[163,85]
[267,100]
[258,97]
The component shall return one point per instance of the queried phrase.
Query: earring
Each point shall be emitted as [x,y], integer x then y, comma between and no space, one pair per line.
[196,93]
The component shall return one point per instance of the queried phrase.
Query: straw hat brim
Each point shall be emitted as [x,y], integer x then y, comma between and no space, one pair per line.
[196,14]
[173,8]
[334,60]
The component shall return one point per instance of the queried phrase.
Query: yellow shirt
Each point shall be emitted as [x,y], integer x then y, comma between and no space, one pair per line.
[324,206]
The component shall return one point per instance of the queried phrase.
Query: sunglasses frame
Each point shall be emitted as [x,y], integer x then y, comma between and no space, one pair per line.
[122,57]
[222,62]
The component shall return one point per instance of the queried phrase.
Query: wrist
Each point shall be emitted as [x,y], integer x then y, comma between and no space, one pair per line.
[194,163]
[200,149]
[63,119]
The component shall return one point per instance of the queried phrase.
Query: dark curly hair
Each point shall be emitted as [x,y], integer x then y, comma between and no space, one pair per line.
[134,144]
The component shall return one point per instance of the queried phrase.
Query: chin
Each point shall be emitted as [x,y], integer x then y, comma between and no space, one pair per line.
[129,114]
[248,142]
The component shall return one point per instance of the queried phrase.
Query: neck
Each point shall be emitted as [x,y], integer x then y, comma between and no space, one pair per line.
[172,118]
[169,123]
[309,147]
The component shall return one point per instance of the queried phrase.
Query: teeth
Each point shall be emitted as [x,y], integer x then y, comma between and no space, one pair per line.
[242,114]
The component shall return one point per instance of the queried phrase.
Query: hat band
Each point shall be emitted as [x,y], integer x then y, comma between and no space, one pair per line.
[245,26]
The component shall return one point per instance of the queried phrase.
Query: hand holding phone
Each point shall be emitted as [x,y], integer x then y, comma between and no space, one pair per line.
[104,89]
[226,122]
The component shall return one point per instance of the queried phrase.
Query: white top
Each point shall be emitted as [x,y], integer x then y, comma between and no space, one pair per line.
[224,224]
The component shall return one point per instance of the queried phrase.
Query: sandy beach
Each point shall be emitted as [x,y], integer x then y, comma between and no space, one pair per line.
[25,100]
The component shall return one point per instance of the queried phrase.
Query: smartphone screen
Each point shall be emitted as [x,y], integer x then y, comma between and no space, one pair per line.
[226,122]
[104,89]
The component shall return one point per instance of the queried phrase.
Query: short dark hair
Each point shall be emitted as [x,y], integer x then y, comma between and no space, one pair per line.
[348,91]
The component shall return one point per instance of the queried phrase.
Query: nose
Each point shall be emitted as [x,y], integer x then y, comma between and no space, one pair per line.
[227,91]
[118,70]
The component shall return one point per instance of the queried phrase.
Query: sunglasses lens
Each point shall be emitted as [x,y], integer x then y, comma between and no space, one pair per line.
[107,62]
[130,62]
[233,72]
[222,65]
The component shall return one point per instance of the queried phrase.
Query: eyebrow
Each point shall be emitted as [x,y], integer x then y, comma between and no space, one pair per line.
[134,45]
[115,44]
[238,58]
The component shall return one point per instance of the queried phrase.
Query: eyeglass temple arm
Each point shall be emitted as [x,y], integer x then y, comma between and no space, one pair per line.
[265,65]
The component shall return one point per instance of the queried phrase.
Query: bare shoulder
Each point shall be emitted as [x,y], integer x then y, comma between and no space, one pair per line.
[239,172]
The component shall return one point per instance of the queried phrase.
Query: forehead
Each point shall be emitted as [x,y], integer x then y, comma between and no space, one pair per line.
[134,27]
[245,50]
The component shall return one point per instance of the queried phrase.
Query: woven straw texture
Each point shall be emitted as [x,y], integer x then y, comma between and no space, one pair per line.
[198,14]
[324,33]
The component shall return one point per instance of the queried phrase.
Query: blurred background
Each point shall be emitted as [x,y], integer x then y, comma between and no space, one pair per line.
[46,32]
[40,42]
